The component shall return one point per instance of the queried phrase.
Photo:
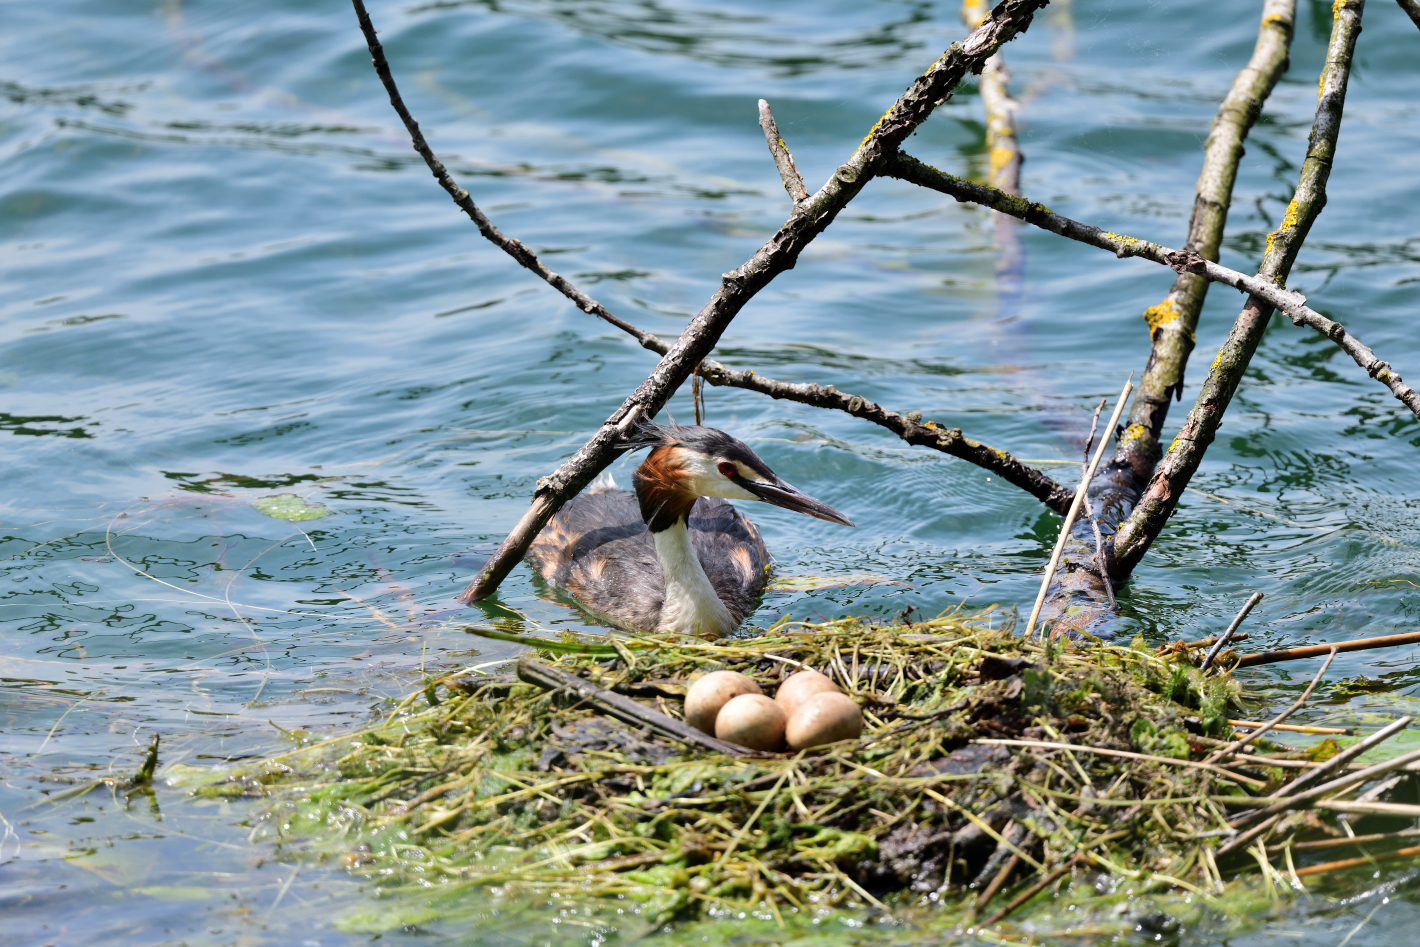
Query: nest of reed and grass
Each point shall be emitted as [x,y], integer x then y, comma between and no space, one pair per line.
[995,775]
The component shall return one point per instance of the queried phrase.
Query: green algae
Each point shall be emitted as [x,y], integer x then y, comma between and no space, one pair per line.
[290,507]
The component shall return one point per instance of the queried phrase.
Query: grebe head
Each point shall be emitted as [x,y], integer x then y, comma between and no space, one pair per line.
[687,462]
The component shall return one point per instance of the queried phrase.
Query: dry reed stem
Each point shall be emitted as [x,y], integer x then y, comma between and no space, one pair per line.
[1227,635]
[1233,747]
[1074,510]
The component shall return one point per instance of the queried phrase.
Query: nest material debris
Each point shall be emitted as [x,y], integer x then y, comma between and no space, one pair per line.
[961,796]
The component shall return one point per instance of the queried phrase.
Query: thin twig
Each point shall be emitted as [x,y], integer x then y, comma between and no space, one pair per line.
[910,427]
[1035,889]
[1075,505]
[1292,728]
[1090,509]
[1330,843]
[1337,762]
[1268,291]
[990,890]
[1236,745]
[783,160]
[508,245]
[1313,651]
[1345,863]
[1226,636]
[1301,800]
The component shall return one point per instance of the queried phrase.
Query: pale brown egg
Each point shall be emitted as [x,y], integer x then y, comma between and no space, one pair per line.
[799,687]
[713,691]
[825,717]
[752,720]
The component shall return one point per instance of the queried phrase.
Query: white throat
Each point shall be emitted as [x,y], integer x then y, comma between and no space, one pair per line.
[691,605]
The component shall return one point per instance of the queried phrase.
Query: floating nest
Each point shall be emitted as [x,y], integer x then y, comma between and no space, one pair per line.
[997,780]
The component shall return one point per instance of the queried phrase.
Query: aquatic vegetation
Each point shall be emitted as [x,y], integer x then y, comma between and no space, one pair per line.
[290,507]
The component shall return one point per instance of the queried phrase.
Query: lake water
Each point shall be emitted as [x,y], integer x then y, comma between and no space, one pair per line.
[227,277]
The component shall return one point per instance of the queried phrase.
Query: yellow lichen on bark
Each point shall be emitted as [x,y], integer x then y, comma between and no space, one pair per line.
[1133,433]
[1000,158]
[879,124]
[1289,221]
[1161,315]
[974,12]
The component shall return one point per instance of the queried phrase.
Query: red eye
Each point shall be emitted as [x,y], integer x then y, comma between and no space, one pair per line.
[728,469]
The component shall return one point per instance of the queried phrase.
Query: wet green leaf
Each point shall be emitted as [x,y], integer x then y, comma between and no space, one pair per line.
[290,507]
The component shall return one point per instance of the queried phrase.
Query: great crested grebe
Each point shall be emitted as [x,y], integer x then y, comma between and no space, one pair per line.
[673,555]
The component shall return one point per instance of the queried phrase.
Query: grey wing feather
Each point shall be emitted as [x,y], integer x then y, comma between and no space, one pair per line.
[598,550]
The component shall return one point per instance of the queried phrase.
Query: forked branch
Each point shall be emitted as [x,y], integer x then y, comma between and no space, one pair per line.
[1161,497]
[739,286]
[948,440]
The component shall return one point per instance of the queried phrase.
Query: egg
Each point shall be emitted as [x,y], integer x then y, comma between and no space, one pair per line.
[707,695]
[752,720]
[799,687]
[825,717]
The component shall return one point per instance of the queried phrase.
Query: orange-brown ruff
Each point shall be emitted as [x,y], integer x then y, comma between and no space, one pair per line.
[614,550]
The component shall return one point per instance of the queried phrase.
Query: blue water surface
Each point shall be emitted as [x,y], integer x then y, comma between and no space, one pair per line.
[226,278]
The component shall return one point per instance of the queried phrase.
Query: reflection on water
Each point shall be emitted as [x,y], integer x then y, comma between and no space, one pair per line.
[228,279]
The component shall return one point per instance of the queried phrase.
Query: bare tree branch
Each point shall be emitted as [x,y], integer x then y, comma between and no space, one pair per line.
[737,287]
[1161,496]
[1172,322]
[949,441]
[1411,8]
[910,427]
[1262,287]
[788,173]
[509,245]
